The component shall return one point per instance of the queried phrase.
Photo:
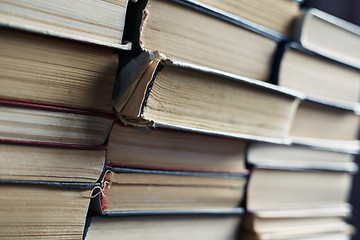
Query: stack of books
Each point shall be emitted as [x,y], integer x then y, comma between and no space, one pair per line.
[301,191]
[176,119]
[58,70]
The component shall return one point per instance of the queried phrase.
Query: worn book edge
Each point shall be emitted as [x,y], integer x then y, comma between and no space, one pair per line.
[98,205]
[136,15]
[141,71]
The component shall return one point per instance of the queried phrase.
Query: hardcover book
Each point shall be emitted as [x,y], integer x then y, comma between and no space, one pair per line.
[275,16]
[40,124]
[201,35]
[320,78]
[173,94]
[298,223]
[97,21]
[190,226]
[139,191]
[53,71]
[169,149]
[43,210]
[329,36]
[50,163]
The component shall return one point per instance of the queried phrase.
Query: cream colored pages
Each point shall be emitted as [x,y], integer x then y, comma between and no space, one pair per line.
[98,21]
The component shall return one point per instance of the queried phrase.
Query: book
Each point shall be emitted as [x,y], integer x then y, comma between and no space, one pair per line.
[298,191]
[277,17]
[98,21]
[320,229]
[328,35]
[287,177]
[298,156]
[165,93]
[45,125]
[50,163]
[298,223]
[324,125]
[169,149]
[291,188]
[201,36]
[54,71]
[319,77]
[43,210]
[137,191]
[210,227]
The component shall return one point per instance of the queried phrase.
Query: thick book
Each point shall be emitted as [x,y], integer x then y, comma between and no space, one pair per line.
[191,226]
[54,71]
[326,126]
[321,78]
[194,33]
[288,177]
[43,210]
[162,92]
[53,126]
[98,21]
[50,163]
[329,36]
[170,149]
[285,187]
[274,16]
[139,191]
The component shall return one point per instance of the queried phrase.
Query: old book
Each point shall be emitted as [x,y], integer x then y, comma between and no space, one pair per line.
[333,235]
[39,124]
[193,33]
[298,192]
[298,156]
[179,95]
[98,21]
[329,36]
[43,211]
[277,16]
[305,229]
[297,223]
[135,190]
[325,126]
[284,188]
[169,149]
[48,163]
[209,227]
[319,77]
[54,71]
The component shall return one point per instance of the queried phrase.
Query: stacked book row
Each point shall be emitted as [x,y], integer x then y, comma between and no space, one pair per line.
[176,119]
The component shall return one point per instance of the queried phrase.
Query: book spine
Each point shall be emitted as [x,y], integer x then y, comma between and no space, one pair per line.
[134,20]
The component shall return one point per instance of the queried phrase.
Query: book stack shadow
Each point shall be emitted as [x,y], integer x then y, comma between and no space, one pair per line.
[177,120]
